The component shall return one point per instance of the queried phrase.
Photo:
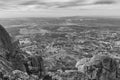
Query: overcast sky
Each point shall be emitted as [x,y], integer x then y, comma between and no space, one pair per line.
[54,8]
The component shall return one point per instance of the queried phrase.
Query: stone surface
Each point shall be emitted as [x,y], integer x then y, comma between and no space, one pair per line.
[100,67]
[5,39]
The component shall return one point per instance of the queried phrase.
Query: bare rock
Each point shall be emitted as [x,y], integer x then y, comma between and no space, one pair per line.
[5,39]
[100,67]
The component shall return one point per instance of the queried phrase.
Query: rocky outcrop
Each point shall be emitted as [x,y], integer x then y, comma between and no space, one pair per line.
[10,58]
[100,67]
[5,39]
[5,50]
[80,64]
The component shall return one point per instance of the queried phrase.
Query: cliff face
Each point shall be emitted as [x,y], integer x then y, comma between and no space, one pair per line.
[5,39]
[9,57]
[5,49]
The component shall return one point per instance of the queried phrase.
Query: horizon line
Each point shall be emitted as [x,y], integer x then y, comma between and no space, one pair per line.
[60,17]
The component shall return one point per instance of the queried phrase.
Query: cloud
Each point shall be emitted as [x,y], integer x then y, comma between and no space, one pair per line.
[57,1]
[88,3]
[105,2]
[29,3]
[53,7]
[52,3]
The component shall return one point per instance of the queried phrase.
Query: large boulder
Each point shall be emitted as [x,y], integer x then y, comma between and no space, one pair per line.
[80,64]
[34,65]
[100,67]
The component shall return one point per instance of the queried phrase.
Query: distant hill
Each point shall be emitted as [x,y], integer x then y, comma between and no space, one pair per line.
[91,21]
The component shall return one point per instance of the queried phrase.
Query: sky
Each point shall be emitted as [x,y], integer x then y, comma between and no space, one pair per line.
[58,8]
